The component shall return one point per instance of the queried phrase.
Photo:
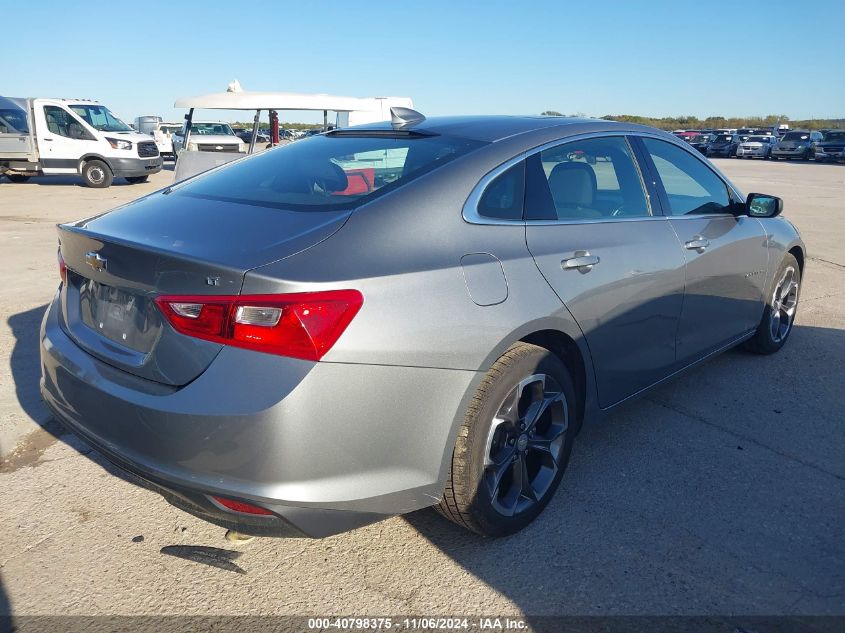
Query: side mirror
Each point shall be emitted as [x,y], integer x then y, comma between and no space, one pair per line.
[761,205]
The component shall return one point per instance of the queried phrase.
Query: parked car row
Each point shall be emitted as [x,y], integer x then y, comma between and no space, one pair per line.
[821,145]
[264,134]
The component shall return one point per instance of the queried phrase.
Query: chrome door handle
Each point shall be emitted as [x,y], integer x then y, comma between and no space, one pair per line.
[697,243]
[582,261]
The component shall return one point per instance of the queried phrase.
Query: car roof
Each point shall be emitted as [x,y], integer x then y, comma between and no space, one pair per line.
[493,128]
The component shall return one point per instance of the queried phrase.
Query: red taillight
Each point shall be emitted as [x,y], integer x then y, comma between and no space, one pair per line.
[241,506]
[301,325]
[62,267]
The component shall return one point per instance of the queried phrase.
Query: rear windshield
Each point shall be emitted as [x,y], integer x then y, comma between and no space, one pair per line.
[328,172]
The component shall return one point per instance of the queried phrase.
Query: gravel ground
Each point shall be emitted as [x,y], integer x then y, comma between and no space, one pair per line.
[722,492]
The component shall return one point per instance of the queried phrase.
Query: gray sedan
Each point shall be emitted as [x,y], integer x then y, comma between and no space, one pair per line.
[401,315]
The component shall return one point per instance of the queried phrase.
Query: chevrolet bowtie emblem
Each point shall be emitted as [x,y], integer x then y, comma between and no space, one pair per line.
[95,261]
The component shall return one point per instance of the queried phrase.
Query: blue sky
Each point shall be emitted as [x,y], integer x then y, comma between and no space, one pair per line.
[657,57]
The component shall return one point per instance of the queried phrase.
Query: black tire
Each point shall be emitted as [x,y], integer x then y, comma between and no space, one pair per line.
[468,499]
[97,174]
[17,178]
[772,157]
[134,180]
[765,341]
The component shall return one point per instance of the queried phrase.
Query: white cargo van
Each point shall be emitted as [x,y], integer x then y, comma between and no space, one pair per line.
[45,137]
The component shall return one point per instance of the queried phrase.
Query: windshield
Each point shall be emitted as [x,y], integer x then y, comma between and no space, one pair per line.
[723,138]
[758,139]
[796,136]
[100,118]
[701,138]
[328,172]
[169,129]
[834,136]
[208,129]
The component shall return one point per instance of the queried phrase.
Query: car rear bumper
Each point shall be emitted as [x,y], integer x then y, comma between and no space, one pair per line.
[326,447]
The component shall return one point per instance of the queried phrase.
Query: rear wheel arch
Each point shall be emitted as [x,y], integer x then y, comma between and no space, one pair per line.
[547,334]
[568,351]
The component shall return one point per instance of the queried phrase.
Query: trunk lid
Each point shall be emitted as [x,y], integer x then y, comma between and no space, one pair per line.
[168,244]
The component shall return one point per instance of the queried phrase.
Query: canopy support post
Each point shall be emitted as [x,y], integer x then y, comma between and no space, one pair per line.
[254,131]
[189,118]
[274,128]
[325,120]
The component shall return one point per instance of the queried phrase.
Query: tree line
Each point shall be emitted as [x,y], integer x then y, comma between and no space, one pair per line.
[712,122]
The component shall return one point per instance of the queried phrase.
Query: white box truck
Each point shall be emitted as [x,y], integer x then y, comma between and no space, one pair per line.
[45,137]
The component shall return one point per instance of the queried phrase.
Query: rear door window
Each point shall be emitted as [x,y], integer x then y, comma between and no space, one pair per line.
[329,171]
[588,179]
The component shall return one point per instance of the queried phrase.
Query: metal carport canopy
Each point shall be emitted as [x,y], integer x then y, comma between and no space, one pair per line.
[276,101]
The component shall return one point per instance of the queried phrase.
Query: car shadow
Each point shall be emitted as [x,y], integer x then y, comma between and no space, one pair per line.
[719,493]
[7,623]
[25,367]
[5,610]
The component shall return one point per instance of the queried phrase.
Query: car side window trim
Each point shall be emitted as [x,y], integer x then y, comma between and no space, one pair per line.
[470,210]
[472,216]
[649,176]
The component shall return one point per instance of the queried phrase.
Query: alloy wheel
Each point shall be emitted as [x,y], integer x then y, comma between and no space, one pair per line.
[525,444]
[784,302]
